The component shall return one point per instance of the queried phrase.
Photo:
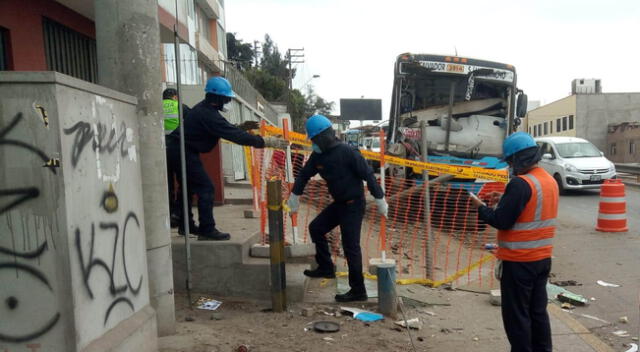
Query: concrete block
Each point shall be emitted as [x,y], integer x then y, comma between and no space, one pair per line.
[300,250]
[495,297]
[260,251]
[375,262]
[251,214]
[291,251]
[307,312]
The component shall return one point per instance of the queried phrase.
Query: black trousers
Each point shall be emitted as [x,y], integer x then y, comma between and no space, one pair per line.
[524,305]
[349,217]
[171,179]
[198,183]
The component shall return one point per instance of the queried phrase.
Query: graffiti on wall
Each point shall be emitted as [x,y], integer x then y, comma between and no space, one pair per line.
[23,261]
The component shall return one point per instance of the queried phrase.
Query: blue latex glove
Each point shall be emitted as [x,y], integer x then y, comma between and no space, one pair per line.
[383,208]
[293,203]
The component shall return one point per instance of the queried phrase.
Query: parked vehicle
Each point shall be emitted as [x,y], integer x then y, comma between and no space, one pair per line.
[575,163]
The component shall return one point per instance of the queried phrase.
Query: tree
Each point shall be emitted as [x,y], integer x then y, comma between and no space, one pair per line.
[271,78]
[241,53]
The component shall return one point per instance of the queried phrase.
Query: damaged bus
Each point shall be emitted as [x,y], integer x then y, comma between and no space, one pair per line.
[467,105]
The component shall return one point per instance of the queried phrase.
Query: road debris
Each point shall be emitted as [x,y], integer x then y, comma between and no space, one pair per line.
[565,283]
[606,284]
[329,339]
[633,348]
[242,348]
[621,333]
[624,320]
[412,323]
[475,338]
[572,298]
[495,297]
[205,303]
[307,312]
[362,314]
[326,326]
[567,306]
[189,318]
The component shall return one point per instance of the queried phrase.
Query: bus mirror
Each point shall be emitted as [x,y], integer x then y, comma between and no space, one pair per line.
[521,106]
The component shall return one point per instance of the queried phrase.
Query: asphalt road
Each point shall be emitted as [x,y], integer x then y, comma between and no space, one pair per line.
[583,254]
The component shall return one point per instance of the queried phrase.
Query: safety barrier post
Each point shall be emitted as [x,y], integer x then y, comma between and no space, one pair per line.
[427,203]
[289,173]
[276,246]
[383,220]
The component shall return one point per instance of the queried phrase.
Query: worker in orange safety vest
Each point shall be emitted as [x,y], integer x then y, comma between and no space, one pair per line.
[525,217]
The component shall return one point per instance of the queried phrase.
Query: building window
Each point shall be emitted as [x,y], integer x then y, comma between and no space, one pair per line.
[564,123]
[551,127]
[632,147]
[4,49]
[70,52]
[558,125]
[570,122]
[612,149]
[222,41]
[203,24]
[546,128]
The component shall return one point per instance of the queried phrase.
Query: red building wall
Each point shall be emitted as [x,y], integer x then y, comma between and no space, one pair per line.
[23,19]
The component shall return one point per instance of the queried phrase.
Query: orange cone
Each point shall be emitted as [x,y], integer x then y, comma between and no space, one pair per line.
[612,216]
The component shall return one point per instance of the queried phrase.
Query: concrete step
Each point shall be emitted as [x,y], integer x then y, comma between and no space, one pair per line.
[225,269]
[230,182]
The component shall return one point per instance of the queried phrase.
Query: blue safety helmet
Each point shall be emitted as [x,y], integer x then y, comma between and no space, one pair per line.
[316,124]
[219,86]
[517,142]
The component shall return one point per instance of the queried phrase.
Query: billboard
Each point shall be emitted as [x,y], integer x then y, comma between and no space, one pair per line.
[361,109]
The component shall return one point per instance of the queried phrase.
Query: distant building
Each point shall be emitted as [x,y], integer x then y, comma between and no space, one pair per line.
[623,142]
[586,113]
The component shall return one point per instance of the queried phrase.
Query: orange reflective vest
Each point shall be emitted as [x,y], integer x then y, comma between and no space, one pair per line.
[530,237]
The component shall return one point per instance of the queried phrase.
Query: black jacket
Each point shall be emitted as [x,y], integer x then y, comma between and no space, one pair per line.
[344,169]
[515,198]
[204,126]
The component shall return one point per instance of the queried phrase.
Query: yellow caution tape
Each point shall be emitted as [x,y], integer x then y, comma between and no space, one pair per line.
[429,282]
[460,171]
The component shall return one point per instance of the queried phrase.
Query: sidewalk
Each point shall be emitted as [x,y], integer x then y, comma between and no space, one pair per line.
[468,322]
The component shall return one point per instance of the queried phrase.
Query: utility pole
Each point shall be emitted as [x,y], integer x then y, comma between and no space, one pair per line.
[256,52]
[294,56]
[128,52]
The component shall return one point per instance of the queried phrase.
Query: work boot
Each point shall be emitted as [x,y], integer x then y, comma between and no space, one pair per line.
[175,221]
[193,230]
[215,235]
[327,274]
[352,296]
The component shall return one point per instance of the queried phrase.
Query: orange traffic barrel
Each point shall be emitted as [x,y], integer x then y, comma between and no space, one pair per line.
[612,216]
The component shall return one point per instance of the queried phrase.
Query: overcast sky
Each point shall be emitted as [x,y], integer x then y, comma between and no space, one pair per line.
[353,44]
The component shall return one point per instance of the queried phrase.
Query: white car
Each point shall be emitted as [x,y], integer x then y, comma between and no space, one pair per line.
[574,163]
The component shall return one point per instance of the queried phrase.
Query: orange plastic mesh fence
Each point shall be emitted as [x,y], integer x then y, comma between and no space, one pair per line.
[455,244]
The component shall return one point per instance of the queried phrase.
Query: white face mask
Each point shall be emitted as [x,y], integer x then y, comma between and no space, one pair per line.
[225,108]
[315,148]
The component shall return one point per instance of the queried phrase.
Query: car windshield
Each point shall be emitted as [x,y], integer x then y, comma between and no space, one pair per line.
[577,150]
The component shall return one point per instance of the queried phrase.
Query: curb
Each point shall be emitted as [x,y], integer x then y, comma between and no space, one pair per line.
[592,340]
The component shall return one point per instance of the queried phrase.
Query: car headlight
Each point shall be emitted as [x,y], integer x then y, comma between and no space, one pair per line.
[612,168]
[571,168]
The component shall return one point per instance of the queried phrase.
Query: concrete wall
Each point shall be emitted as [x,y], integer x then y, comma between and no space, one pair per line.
[72,248]
[596,111]
[550,113]
[626,138]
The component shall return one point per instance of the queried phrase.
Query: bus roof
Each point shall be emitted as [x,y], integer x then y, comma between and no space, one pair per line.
[408,57]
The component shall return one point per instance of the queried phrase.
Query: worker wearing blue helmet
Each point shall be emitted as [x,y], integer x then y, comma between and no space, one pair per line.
[202,131]
[344,169]
[525,218]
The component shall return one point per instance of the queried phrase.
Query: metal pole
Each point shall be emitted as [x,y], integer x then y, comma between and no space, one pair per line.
[276,246]
[427,202]
[383,220]
[183,162]
[452,92]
